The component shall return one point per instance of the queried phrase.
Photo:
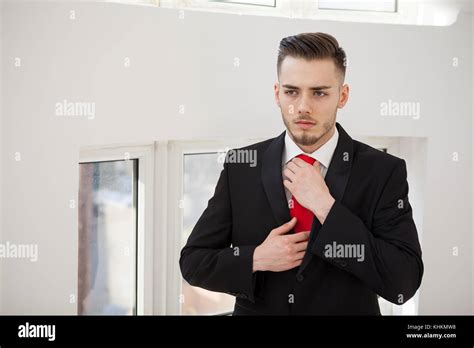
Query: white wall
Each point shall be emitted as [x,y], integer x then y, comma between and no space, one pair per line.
[190,61]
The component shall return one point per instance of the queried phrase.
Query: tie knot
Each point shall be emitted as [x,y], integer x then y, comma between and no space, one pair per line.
[306,158]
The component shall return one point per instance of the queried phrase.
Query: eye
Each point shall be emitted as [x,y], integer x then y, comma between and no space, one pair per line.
[289,92]
[320,94]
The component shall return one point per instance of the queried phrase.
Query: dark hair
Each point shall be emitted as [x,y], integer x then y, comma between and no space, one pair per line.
[312,46]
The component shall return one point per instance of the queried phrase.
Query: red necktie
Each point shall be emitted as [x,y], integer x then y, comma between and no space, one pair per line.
[304,216]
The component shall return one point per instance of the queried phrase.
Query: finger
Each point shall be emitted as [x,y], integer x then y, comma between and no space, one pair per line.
[299,237]
[293,167]
[285,227]
[289,185]
[289,174]
[300,255]
[299,162]
[302,246]
[295,263]
[317,165]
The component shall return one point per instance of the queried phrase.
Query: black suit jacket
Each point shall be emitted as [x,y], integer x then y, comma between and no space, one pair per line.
[371,209]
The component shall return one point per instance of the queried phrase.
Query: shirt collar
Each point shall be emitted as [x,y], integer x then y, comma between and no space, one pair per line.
[323,155]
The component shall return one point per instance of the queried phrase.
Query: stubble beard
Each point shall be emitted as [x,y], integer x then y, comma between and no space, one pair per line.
[306,139]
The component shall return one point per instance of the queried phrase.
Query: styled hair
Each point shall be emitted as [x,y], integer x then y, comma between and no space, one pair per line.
[312,46]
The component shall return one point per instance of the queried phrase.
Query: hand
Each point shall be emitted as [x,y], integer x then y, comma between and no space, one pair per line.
[307,185]
[280,252]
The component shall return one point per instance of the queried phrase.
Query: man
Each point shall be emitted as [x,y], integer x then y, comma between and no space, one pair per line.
[322,224]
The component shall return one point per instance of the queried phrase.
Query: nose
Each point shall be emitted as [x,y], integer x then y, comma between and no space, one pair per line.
[304,107]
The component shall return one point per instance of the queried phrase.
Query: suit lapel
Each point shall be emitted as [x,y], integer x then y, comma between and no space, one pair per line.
[336,179]
[341,163]
[273,181]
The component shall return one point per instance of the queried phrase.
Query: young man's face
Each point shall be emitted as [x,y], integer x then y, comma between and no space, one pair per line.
[309,94]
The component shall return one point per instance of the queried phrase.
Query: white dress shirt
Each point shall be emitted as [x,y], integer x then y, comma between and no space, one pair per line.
[323,155]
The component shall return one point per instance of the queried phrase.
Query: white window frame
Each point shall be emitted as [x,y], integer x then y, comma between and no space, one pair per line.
[391,144]
[248,2]
[177,150]
[408,12]
[144,153]
[359,5]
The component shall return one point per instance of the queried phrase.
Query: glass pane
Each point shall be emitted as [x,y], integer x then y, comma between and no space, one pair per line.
[359,5]
[250,2]
[107,237]
[201,172]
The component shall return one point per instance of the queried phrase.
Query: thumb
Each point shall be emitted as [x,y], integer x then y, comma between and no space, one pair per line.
[286,227]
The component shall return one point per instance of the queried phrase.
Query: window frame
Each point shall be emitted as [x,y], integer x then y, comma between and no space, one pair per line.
[407,12]
[384,6]
[177,149]
[144,153]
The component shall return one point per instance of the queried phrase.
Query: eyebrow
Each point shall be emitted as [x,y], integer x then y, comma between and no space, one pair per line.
[317,88]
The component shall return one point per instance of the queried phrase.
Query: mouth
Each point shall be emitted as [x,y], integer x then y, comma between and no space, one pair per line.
[305,124]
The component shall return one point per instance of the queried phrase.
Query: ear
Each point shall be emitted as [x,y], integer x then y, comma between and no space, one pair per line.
[344,96]
[276,90]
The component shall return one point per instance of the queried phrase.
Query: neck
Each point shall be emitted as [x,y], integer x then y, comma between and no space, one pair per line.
[323,140]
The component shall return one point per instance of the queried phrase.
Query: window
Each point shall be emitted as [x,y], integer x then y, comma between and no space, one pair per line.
[201,172]
[107,237]
[359,5]
[407,12]
[252,2]
[194,168]
[115,257]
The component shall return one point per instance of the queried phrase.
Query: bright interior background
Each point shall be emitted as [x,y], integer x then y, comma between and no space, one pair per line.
[190,61]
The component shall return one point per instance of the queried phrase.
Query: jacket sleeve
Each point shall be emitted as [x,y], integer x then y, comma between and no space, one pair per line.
[391,263]
[208,260]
